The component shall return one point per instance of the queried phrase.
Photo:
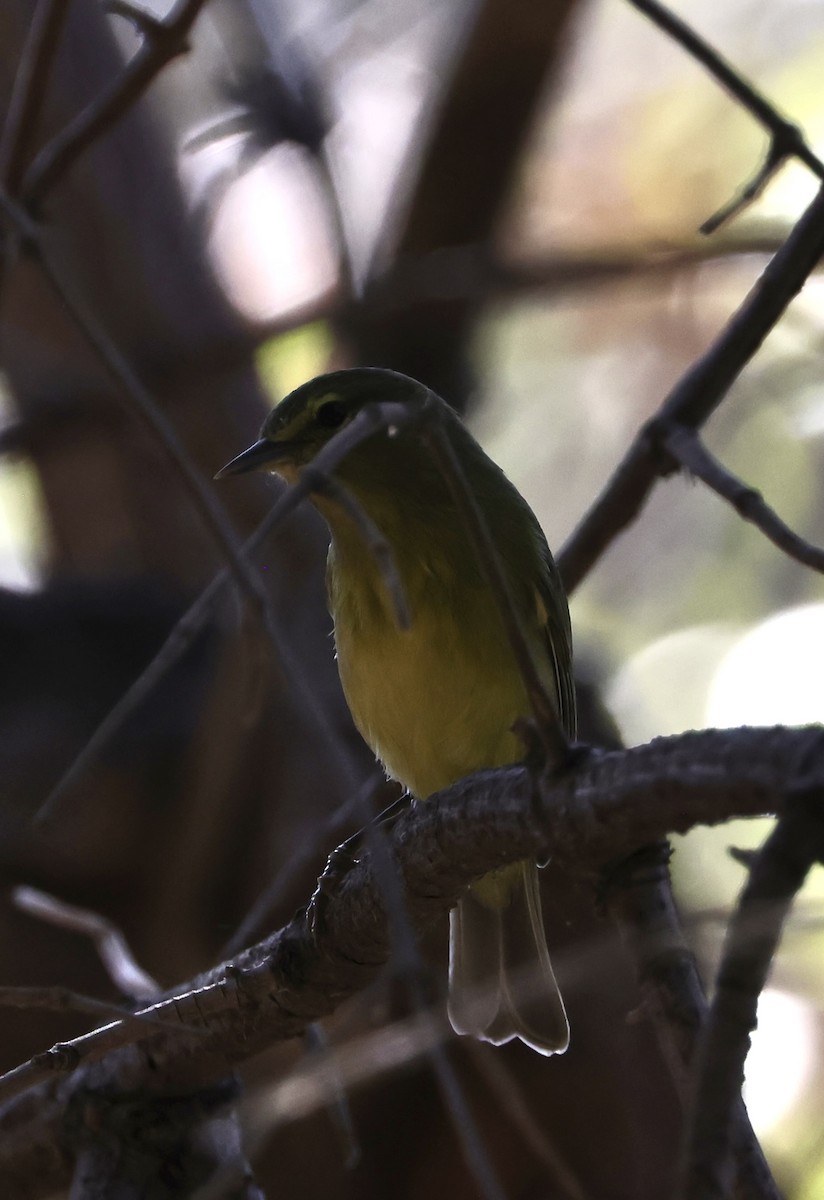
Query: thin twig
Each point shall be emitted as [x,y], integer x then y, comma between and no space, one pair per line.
[337,1101]
[411,971]
[139,402]
[194,620]
[774,160]
[696,396]
[110,943]
[182,636]
[687,448]
[29,89]
[62,999]
[757,105]
[786,139]
[547,721]
[510,1101]
[165,39]
[209,508]
[143,19]
[363,1058]
[373,539]
[751,943]
[253,924]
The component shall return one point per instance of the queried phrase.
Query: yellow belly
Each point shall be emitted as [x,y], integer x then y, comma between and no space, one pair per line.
[436,701]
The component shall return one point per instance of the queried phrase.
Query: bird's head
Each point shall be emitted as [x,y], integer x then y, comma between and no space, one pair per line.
[305,420]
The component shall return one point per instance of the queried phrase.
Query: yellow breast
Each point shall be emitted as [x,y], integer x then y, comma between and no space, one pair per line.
[438,700]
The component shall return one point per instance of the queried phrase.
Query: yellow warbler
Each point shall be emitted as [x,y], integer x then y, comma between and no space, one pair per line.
[438,700]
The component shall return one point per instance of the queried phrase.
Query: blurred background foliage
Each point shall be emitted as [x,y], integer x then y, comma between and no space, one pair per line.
[302,137]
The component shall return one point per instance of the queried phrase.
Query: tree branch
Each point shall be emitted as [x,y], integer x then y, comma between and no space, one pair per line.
[195,618]
[777,874]
[691,453]
[373,540]
[140,403]
[786,139]
[611,804]
[29,88]
[696,396]
[164,39]
[63,999]
[638,896]
[413,973]
[111,945]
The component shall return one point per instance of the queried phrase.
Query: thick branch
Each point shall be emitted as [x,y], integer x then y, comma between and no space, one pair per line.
[612,804]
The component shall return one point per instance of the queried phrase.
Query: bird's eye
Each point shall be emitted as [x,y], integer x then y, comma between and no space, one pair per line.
[331,414]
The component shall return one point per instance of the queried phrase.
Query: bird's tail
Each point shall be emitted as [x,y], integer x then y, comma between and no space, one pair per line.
[501,982]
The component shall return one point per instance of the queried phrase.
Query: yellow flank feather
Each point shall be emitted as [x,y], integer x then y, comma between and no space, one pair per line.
[435,701]
[438,700]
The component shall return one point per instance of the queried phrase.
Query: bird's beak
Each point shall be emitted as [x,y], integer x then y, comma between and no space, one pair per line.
[261,454]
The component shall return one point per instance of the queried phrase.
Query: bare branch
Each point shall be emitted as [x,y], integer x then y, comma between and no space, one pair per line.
[143,19]
[638,896]
[195,618]
[413,975]
[373,539]
[112,947]
[604,809]
[505,1086]
[61,999]
[696,396]
[165,39]
[259,914]
[337,1101]
[140,403]
[476,272]
[786,139]
[786,857]
[183,635]
[688,450]
[29,89]
[774,160]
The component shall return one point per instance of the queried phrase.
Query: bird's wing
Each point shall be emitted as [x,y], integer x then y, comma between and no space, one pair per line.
[558,636]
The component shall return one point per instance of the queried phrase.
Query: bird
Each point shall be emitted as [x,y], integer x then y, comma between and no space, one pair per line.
[438,700]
